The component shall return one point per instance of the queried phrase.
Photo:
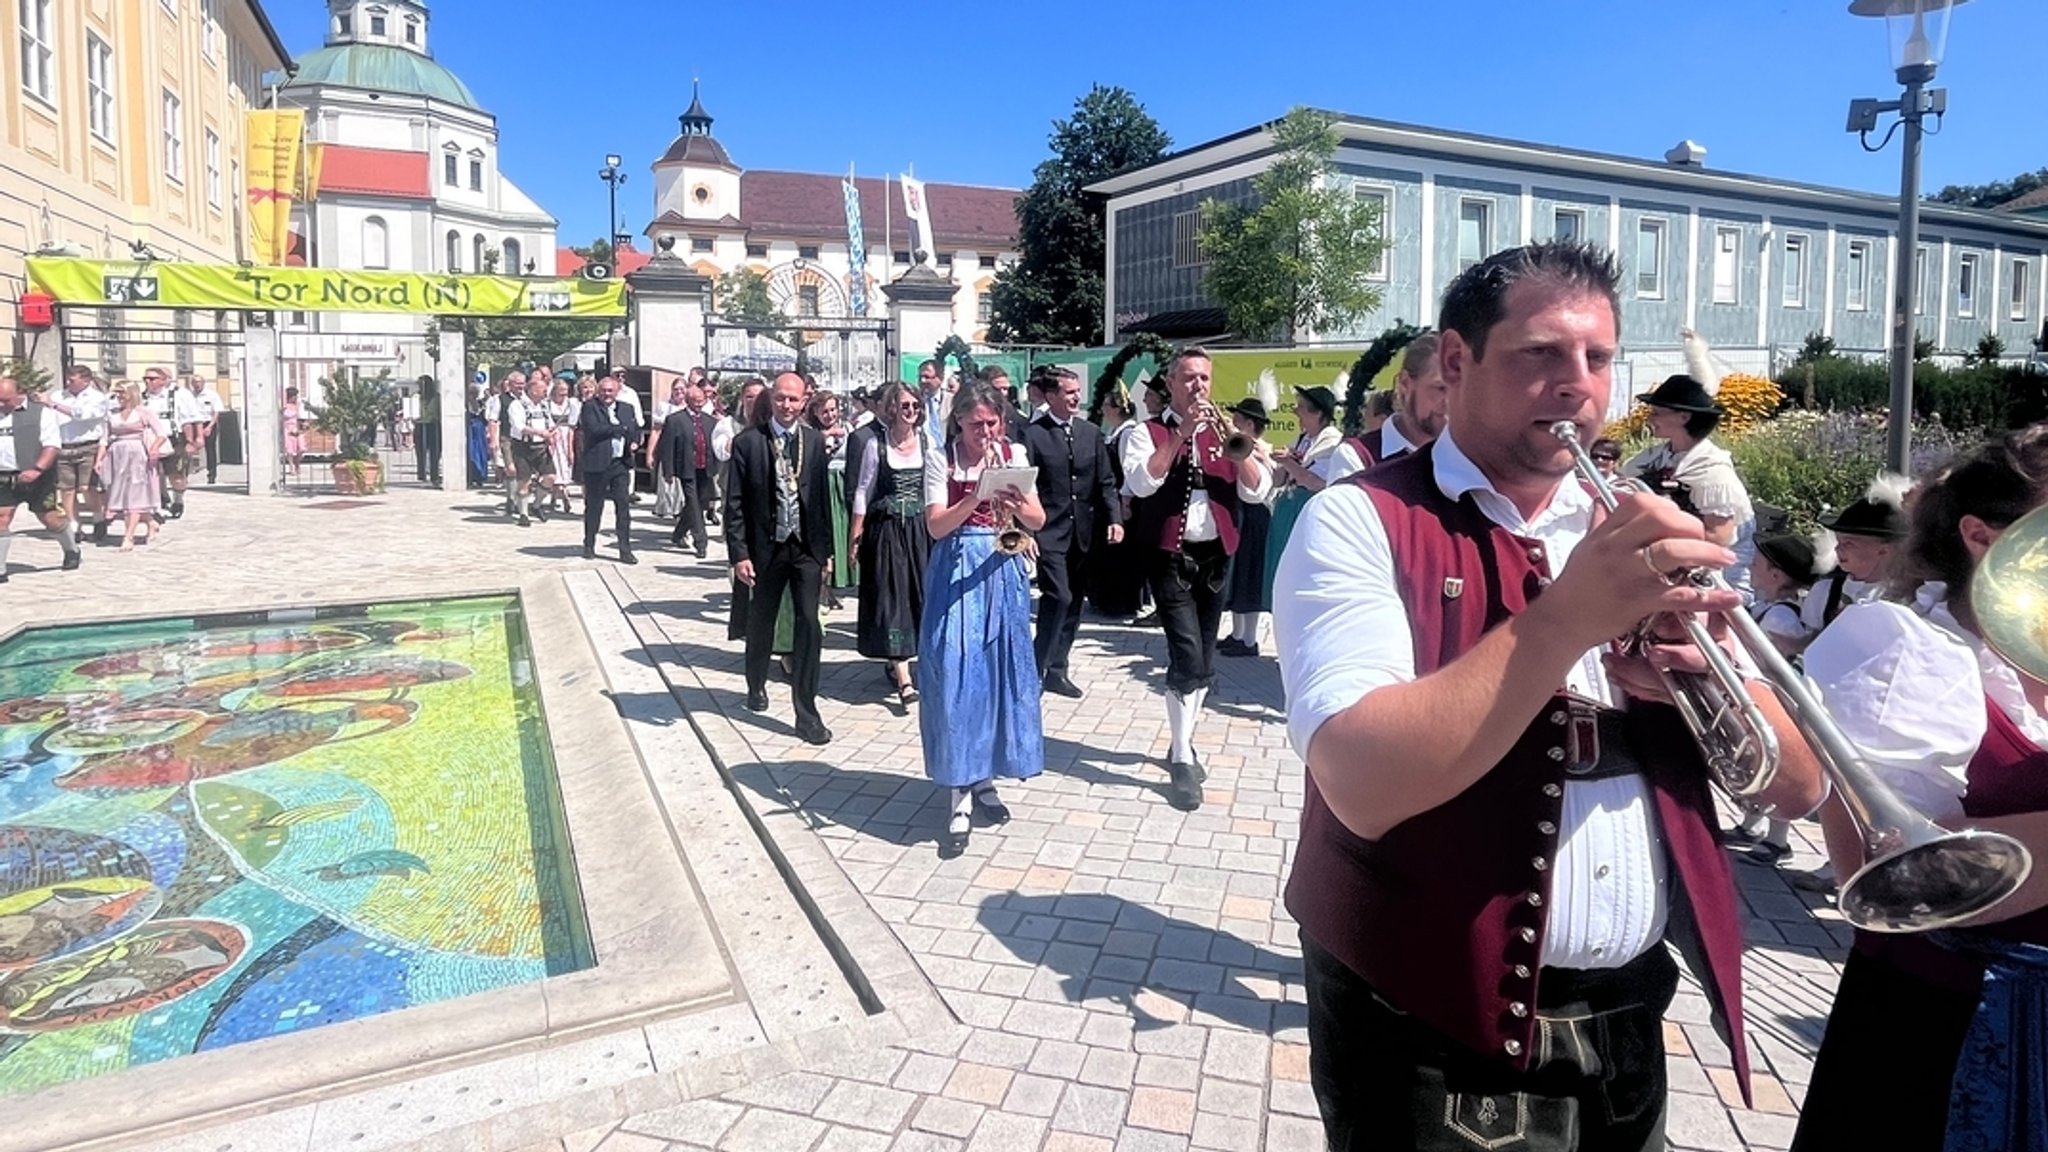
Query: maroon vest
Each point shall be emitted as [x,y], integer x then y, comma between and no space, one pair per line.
[1372,447]
[1158,519]
[1444,914]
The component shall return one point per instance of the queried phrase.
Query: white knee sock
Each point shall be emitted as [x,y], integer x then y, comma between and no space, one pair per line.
[963,801]
[67,537]
[1196,699]
[1180,726]
[1245,626]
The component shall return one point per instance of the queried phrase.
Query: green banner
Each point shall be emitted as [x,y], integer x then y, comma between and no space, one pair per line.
[227,286]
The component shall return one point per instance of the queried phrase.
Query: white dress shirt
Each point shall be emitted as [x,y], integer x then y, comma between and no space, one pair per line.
[1909,692]
[1343,632]
[1813,610]
[1346,460]
[199,407]
[84,415]
[1201,519]
[721,437]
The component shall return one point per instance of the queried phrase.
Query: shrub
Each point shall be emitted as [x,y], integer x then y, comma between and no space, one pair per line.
[1811,463]
[1749,400]
[1981,396]
[1817,347]
[1990,350]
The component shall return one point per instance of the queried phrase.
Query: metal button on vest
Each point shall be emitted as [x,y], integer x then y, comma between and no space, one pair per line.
[1535,555]
[1539,863]
[1512,1047]
[1521,971]
[1528,935]
[1555,753]
[1558,717]
[1518,1009]
[1535,899]
[1552,791]
[1546,827]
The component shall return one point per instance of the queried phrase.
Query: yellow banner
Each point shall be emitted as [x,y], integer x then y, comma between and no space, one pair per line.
[1236,376]
[276,143]
[226,286]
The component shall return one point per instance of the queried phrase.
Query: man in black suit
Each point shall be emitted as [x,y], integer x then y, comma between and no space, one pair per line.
[778,531]
[681,448]
[609,431]
[1077,484]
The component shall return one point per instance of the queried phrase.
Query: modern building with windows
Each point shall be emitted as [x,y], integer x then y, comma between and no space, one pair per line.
[122,125]
[1753,264]
[403,161]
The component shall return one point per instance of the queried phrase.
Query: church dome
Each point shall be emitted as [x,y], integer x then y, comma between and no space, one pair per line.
[696,145]
[382,68]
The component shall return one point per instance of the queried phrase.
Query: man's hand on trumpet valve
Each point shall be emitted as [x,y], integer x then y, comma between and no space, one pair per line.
[1622,572]
[1663,647]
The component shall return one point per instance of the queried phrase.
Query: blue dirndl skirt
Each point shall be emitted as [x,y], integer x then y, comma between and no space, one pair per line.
[1287,509]
[977,675]
[1999,1099]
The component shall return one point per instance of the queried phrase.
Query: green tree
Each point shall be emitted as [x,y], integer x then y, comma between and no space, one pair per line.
[1993,194]
[598,251]
[742,298]
[502,341]
[1053,293]
[1298,261]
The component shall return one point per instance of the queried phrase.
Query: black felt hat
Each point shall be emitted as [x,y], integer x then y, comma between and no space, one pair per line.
[1324,399]
[1253,409]
[1869,517]
[1794,556]
[1680,393]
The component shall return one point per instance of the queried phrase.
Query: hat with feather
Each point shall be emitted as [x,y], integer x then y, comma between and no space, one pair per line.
[1881,514]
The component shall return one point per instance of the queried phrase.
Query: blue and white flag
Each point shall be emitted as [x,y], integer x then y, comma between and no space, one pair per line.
[856,251]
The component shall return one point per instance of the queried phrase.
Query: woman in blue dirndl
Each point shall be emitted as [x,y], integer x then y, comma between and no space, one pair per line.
[977,675]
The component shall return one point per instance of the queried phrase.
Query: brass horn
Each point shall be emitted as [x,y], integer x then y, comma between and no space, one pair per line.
[1919,875]
[2009,594]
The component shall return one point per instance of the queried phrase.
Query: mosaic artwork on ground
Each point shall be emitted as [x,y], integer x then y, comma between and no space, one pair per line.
[216,831]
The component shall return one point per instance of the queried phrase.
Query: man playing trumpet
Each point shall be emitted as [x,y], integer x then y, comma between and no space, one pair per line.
[1188,508]
[1503,823]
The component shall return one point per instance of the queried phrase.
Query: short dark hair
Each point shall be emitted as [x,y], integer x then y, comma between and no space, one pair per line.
[1998,482]
[1700,425]
[1191,352]
[1605,444]
[1420,353]
[990,373]
[1477,299]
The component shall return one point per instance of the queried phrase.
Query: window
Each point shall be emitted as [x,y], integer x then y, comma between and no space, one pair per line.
[113,353]
[702,244]
[760,252]
[1383,225]
[451,168]
[1475,231]
[985,309]
[38,58]
[478,249]
[222,362]
[174,137]
[181,343]
[2020,268]
[515,263]
[1920,282]
[1966,287]
[1727,265]
[1858,290]
[376,243]
[376,26]
[99,87]
[1187,239]
[900,257]
[209,25]
[1650,259]
[454,250]
[476,175]
[1795,271]
[412,32]
[988,261]
[1568,224]
[171,6]
[807,300]
[807,252]
[212,168]
[345,25]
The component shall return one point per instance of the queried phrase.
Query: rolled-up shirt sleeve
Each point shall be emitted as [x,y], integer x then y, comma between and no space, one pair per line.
[1909,696]
[1337,615]
[1138,449]
[1257,493]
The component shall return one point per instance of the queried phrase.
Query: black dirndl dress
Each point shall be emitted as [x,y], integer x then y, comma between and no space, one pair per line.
[1249,591]
[895,547]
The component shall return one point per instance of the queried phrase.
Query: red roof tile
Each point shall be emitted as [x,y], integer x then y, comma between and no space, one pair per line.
[811,205]
[374,171]
[568,263]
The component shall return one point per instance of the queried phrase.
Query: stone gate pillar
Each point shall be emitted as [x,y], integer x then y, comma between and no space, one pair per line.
[451,391]
[920,315]
[670,299]
[262,430]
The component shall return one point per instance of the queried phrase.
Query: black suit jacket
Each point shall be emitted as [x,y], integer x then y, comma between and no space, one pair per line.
[1078,491]
[857,442]
[598,433]
[678,446]
[750,497]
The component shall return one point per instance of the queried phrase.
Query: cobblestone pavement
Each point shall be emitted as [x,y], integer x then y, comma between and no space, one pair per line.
[1122,974]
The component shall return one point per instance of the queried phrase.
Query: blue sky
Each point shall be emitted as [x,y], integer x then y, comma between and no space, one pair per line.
[967,92]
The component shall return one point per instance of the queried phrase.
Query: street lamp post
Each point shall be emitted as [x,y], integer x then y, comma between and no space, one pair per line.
[1918,30]
[613,176]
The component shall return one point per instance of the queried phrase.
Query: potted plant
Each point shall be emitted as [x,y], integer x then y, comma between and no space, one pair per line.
[352,411]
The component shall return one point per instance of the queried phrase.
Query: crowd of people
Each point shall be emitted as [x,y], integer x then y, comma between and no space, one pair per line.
[113,456]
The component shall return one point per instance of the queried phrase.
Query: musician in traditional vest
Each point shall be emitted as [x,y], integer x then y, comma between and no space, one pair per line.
[1503,822]
[1188,497]
[31,440]
[1419,414]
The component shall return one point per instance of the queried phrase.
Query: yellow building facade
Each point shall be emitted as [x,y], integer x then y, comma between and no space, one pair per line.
[124,124]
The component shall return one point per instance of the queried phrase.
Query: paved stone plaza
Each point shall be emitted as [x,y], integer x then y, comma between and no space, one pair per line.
[1102,973]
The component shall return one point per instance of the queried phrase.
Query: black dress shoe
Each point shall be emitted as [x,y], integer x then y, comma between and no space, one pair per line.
[1148,620]
[1058,684]
[1183,786]
[1236,647]
[524,522]
[72,560]
[757,700]
[954,841]
[589,552]
[813,732]
[626,557]
[991,806]
[1201,769]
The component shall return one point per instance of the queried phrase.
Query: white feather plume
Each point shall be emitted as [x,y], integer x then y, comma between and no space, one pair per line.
[1141,403]
[1699,362]
[1825,558]
[1342,382]
[1268,390]
[1890,488]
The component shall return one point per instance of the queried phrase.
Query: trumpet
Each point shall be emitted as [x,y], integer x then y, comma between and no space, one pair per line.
[1919,876]
[1236,445]
[1011,539]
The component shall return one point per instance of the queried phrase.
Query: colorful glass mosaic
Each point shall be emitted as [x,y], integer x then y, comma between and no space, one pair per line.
[218,830]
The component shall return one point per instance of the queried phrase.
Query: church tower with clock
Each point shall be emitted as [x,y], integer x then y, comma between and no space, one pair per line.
[695,181]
